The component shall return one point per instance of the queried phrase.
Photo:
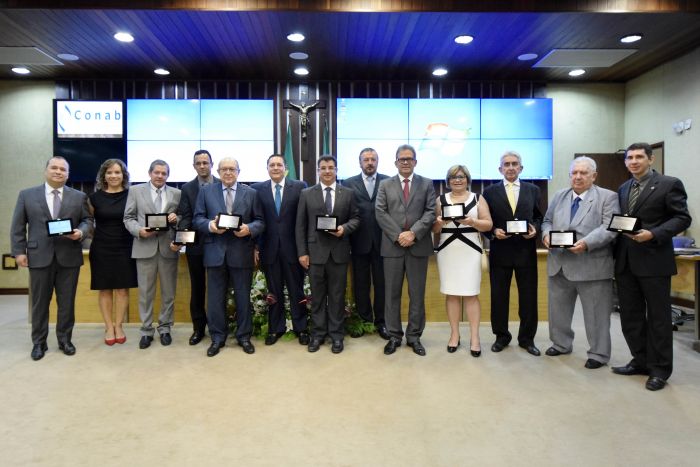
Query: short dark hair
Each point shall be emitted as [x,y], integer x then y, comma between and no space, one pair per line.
[158,162]
[645,146]
[101,183]
[368,150]
[284,162]
[199,153]
[56,157]
[326,158]
[406,147]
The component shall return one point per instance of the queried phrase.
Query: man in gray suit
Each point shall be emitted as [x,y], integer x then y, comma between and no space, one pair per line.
[154,251]
[326,254]
[584,270]
[405,211]
[54,262]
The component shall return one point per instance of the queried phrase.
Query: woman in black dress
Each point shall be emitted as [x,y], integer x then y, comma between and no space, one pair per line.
[113,269]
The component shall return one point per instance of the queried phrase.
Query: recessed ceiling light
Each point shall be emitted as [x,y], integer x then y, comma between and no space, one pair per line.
[124,37]
[20,70]
[301,71]
[161,71]
[68,57]
[439,72]
[299,55]
[577,72]
[526,57]
[630,38]
[464,39]
[296,37]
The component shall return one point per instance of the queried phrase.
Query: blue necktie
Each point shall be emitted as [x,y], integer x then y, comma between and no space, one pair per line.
[574,207]
[278,198]
[329,202]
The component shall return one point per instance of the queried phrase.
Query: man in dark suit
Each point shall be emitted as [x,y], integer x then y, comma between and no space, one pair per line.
[509,200]
[202,164]
[366,242]
[326,254]
[53,262]
[405,210]
[644,264]
[228,256]
[279,198]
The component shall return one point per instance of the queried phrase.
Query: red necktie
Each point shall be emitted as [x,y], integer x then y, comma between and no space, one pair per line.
[405,190]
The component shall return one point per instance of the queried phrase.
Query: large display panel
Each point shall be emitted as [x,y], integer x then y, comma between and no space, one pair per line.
[173,130]
[444,132]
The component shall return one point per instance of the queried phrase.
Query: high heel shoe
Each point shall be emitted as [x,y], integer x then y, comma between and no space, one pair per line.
[120,340]
[453,349]
[111,341]
[475,353]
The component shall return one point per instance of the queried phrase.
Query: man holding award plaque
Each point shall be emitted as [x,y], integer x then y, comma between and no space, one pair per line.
[516,215]
[151,209]
[228,214]
[644,264]
[580,262]
[326,217]
[53,260]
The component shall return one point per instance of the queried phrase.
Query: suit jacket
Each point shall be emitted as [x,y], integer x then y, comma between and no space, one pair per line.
[590,223]
[30,237]
[515,250]
[321,245]
[227,248]
[188,199]
[418,215]
[368,236]
[663,210]
[138,204]
[278,239]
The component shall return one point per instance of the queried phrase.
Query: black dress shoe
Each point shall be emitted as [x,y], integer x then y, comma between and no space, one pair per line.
[337,346]
[383,333]
[593,364]
[531,349]
[453,348]
[67,348]
[196,337]
[629,370]
[314,344]
[654,383]
[498,346]
[552,352]
[39,350]
[214,348]
[303,338]
[145,342]
[247,346]
[417,347]
[166,339]
[270,339]
[392,345]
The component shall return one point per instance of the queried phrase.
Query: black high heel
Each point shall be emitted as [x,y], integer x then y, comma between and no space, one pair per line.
[475,353]
[453,349]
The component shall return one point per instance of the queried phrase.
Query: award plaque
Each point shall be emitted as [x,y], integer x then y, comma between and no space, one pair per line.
[516,227]
[453,212]
[185,237]
[624,224]
[58,227]
[157,222]
[327,223]
[228,221]
[562,238]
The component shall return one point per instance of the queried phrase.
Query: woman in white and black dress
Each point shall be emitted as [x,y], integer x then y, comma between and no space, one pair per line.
[459,255]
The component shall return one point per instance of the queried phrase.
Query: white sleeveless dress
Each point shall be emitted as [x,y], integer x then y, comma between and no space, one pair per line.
[459,263]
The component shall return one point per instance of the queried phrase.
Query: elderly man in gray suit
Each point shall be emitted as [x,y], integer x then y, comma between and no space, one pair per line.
[405,209]
[156,255]
[53,261]
[585,269]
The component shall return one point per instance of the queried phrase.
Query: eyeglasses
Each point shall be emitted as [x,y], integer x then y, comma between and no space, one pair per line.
[228,169]
[459,178]
[405,160]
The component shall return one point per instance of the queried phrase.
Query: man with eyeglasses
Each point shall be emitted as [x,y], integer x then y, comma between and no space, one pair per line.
[228,253]
[405,210]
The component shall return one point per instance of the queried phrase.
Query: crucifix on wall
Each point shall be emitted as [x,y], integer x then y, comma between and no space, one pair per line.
[303,108]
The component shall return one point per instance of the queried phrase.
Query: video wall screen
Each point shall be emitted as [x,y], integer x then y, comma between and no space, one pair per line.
[445,132]
[172,130]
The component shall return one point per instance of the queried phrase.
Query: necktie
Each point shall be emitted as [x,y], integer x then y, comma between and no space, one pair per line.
[634,194]
[405,190]
[56,203]
[278,198]
[369,185]
[511,196]
[574,207]
[329,201]
[159,201]
[229,200]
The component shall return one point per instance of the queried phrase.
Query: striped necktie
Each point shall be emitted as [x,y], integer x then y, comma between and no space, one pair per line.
[634,195]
